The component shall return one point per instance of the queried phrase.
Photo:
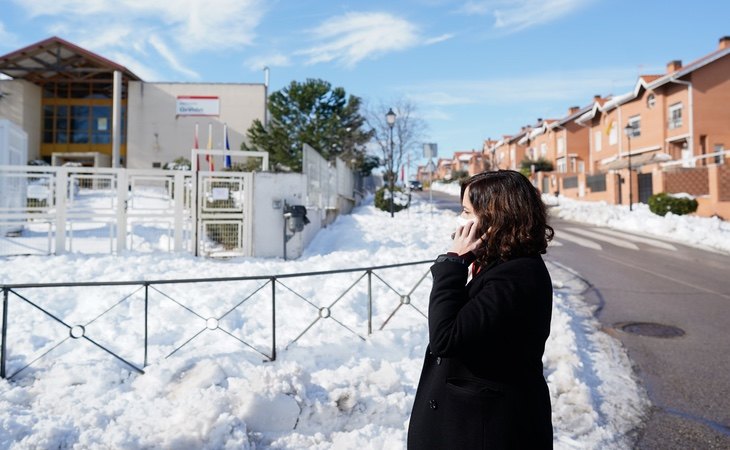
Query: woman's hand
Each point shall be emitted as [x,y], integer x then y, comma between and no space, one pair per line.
[465,239]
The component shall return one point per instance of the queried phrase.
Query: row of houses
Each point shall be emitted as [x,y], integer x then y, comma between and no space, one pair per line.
[670,133]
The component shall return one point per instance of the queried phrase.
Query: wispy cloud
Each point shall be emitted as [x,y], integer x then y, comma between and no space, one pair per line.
[353,37]
[269,60]
[564,86]
[441,95]
[179,27]
[437,39]
[141,69]
[515,15]
[170,57]
[7,38]
[437,114]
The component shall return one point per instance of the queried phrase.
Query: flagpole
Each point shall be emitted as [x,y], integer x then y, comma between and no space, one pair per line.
[226,145]
[208,157]
[196,146]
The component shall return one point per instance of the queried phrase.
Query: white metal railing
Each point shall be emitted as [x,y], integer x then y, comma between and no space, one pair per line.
[674,123]
[691,161]
[55,207]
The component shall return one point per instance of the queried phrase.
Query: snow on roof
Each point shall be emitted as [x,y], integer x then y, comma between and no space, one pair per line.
[617,100]
[537,132]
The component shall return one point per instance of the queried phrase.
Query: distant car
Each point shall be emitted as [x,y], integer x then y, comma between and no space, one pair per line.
[415,185]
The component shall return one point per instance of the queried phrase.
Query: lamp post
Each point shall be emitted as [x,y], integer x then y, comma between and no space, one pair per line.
[390,118]
[629,129]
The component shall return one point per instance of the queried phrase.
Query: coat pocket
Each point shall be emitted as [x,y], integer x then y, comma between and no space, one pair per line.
[474,387]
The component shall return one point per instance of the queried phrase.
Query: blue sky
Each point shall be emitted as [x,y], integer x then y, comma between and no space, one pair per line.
[474,68]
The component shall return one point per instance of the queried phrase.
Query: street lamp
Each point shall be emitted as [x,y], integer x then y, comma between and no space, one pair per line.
[629,129]
[390,118]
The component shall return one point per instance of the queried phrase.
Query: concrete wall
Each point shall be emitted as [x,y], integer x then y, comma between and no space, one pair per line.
[270,192]
[155,134]
[22,106]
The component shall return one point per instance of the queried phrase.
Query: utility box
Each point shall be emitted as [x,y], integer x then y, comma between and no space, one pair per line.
[13,152]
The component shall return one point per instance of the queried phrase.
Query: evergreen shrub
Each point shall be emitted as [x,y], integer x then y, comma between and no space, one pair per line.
[382,199]
[663,203]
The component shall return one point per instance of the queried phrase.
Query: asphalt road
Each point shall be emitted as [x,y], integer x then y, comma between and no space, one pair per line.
[642,279]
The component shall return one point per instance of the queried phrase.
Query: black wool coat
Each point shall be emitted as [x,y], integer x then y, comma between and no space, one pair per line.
[482,385]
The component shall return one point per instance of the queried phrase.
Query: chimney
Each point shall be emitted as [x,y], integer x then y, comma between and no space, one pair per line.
[573,109]
[596,98]
[724,42]
[673,66]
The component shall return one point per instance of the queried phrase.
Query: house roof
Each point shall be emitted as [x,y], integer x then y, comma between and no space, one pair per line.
[655,81]
[691,67]
[571,117]
[57,59]
[516,137]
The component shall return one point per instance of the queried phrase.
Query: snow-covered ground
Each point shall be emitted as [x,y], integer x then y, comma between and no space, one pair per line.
[709,233]
[327,389]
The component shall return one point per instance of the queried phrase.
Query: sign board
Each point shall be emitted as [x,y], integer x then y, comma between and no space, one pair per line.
[197,106]
[430,151]
[220,193]
[430,167]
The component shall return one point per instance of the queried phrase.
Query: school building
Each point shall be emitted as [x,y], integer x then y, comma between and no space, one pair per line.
[78,106]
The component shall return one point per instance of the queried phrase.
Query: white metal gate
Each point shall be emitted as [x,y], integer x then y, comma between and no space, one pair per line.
[223,214]
[94,210]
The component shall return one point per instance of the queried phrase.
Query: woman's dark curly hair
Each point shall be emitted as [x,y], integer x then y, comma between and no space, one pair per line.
[512,216]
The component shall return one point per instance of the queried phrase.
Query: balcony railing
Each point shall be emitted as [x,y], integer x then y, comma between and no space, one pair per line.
[674,123]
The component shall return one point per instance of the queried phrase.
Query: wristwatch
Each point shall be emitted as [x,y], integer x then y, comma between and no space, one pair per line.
[452,258]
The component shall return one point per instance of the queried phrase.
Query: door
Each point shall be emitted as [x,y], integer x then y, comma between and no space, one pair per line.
[223,213]
[645,187]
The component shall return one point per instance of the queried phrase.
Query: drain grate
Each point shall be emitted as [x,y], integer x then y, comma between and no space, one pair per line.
[650,329]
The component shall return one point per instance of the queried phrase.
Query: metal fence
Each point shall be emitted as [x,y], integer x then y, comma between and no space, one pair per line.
[570,182]
[596,183]
[170,315]
[92,210]
[327,184]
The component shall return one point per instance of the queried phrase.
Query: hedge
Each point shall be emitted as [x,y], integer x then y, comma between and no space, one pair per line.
[663,203]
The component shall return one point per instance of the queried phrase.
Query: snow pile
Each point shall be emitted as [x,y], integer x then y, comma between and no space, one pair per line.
[331,386]
[710,233]
[704,232]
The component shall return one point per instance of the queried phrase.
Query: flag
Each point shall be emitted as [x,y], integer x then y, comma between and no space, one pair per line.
[195,146]
[227,146]
[209,158]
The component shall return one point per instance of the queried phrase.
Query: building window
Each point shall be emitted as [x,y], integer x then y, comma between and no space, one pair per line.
[675,116]
[719,153]
[561,146]
[635,123]
[650,101]
[597,141]
[561,165]
[543,150]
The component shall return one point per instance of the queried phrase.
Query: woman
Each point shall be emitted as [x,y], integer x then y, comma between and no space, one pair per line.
[482,385]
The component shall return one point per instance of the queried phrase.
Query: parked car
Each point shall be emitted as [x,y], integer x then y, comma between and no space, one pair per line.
[415,185]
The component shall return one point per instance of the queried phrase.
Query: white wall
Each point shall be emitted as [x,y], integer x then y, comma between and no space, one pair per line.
[268,225]
[13,152]
[22,106]
[156,134]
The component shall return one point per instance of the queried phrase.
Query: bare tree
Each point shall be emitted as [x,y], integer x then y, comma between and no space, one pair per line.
[408,132]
